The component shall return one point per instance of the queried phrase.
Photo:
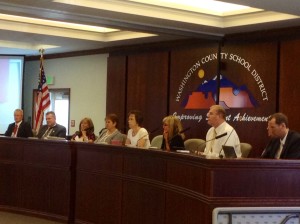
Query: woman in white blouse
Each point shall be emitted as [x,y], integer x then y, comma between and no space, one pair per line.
[137,135]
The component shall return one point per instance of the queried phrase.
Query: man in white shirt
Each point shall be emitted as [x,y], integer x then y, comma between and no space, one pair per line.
[216,118]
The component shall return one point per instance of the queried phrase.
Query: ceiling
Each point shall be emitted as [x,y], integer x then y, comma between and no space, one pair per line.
[135,23]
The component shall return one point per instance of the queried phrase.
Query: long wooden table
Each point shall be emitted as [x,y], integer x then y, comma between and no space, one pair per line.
[90,183]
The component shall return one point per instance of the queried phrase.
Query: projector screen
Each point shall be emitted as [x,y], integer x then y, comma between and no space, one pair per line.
[11,83]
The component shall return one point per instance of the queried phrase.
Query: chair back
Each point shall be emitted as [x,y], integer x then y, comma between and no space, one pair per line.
[157,141]
[194,144]
[245,149]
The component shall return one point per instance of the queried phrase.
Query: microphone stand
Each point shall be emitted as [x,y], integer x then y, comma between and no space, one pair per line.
[217,137]
[221,156]
[100,132]
[182,131]
[150,132]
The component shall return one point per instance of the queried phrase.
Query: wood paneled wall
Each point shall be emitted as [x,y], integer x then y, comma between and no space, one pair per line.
[289,82]
[153,79]
[139,82]
[116,88]
[260,61]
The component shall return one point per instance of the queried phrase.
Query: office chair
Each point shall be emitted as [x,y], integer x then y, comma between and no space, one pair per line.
[157,141]
[245,149]
[194,145]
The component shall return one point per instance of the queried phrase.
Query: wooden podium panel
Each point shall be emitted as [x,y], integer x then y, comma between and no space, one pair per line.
[98,183]
[35,177]
[91,183]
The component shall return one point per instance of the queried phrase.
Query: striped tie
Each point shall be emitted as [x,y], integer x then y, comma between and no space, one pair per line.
[47,133]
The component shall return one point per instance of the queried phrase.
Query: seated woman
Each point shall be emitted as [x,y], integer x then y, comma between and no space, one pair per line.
[172,138]
[86,131]
[111,133]
[137,136]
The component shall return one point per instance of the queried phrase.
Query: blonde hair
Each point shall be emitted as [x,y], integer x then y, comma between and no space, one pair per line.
[175,126]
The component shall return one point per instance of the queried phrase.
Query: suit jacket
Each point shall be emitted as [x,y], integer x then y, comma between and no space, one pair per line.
[291,148]
[24,130]
[57,131]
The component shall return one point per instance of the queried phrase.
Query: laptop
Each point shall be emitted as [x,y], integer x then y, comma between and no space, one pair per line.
[229,151]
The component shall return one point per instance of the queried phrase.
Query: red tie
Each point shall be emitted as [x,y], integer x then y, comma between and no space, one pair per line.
[15,130]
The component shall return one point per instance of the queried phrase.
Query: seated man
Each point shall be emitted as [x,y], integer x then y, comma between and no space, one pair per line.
[284,143]
[51,128]
[216,118]
[19,128]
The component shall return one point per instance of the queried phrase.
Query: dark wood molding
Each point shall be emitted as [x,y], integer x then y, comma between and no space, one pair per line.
[266,35]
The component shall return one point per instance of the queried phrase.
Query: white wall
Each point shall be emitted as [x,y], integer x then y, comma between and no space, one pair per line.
[85,76]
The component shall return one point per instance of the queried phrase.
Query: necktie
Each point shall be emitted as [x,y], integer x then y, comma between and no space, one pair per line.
[213,140]
[47,133]
[278,153]
[15,131]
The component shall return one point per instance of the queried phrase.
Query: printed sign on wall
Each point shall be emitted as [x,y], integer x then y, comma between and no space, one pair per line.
[245,87]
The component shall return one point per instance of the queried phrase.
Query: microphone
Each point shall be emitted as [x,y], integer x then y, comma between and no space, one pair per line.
[221,135]
[154,130]
[221,156]
[182,131]
[100,132]
[217,137]
[150,132]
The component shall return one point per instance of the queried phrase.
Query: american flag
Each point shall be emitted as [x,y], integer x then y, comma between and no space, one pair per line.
[42,99]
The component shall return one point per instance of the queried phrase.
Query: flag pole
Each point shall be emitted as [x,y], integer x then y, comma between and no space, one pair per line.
[42,101]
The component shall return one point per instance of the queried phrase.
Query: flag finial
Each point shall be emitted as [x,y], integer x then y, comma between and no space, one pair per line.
[42,51]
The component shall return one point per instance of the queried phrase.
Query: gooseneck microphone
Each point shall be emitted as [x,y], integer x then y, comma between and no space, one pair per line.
[150,132]
[100,132]
[182,131]
[218,136]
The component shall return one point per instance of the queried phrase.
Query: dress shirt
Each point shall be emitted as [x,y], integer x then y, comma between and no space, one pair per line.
[214,147]
[282,142]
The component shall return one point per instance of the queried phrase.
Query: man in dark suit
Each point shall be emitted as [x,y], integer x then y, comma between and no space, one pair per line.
[51,128]
[19,128]
[285,144]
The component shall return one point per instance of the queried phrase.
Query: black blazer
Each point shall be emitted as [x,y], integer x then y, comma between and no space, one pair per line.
[175,143]
[24,130]
[291,148]
[57,131]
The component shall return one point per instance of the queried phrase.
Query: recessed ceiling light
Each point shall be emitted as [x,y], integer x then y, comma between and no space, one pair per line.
[202,6]
[53,23]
